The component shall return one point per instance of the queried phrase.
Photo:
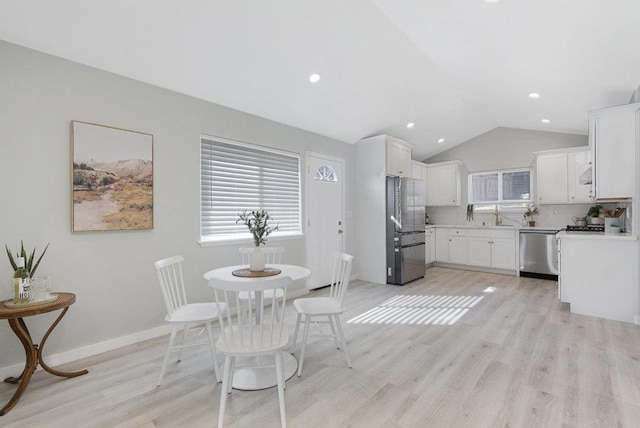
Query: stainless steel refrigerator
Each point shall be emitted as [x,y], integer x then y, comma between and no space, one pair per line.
[405,230]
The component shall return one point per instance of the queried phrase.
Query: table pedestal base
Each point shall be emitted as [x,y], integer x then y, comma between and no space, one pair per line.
[253,373]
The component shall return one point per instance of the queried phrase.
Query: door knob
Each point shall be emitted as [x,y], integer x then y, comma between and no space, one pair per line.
[340,231]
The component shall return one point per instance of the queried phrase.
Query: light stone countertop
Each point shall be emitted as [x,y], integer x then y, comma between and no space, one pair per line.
[560,234]
[478,226]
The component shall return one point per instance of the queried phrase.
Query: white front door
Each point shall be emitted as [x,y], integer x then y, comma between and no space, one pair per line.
[325,221]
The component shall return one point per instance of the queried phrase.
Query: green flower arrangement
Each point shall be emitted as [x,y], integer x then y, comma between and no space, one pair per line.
[28,261]
[257,222]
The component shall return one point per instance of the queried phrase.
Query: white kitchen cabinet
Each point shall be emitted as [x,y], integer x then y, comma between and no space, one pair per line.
[398,158]
[558,176]
[492,248]
[458,246]
[432,236]
[479,250]
[503,253]
[613,137]
[442,245]
[444,184]
[551,178]
[429,245]
[599,276]
[578,165]
[419,172]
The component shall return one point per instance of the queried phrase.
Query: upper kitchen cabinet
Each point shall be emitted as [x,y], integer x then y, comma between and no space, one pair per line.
[613,136]
[419,172]
[444,184]
[398,158]
[563,176]
[579,166]
[551,178]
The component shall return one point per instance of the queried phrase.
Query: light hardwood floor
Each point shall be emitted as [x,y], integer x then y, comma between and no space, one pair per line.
[518,358]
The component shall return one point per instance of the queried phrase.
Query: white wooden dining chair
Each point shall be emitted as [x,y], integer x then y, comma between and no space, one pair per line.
[182,314]
[273,256]
[327,309]
[259,332]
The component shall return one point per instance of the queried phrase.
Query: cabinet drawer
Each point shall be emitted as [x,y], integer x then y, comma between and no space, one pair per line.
[480,233]
[457,232]
[503,234]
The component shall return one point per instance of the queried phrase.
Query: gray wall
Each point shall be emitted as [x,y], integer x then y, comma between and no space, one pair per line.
[112,273]
[503,148]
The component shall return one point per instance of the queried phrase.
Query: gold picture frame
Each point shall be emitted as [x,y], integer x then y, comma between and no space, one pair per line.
[112,178]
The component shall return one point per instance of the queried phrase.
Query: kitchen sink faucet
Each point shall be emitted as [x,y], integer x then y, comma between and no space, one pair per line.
[498,219]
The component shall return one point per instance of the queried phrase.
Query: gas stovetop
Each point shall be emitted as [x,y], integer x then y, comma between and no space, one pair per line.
[587,228]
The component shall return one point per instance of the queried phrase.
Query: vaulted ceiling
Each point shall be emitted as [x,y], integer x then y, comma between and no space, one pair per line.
[455,68]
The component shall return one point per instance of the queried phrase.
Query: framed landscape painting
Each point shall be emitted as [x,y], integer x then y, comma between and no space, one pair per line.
[112,178]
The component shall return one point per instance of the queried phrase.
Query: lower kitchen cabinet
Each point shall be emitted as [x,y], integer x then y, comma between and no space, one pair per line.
[458,249]
[479,251]
[430,246]
[442,245]
[481,247]
[503,253]
[599,276]
[492,248]
[451,246]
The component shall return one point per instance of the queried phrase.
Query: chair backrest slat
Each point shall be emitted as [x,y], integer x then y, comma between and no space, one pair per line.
[340,277]
[171,282]
[253,332]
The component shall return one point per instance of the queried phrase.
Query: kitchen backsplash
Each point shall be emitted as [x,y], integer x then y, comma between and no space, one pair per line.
[550,215]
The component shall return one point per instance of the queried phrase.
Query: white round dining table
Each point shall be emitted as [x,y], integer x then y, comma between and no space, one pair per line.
[259,373]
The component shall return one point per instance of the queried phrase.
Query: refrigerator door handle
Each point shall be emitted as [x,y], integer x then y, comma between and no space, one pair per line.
[393,219]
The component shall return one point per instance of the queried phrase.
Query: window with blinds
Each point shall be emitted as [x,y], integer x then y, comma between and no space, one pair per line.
[509,189]
[237,177]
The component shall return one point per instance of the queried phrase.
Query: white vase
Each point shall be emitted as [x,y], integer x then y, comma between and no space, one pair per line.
[257,260]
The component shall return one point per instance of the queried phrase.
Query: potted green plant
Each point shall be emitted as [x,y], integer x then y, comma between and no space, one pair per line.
[258,224]
[29,264]
[593,214]
[531,211]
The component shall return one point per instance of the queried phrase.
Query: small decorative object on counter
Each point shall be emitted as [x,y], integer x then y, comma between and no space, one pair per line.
[470,212]
[426,217]
[257,222]
[20,283]
[531,211]
[593,215]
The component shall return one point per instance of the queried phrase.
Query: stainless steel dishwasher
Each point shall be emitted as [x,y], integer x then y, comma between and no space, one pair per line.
[539,253]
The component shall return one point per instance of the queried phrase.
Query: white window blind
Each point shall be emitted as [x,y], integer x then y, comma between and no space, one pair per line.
[237,177]
[511,187]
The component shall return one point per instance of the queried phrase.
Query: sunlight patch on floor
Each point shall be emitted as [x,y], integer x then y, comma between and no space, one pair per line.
[419,310]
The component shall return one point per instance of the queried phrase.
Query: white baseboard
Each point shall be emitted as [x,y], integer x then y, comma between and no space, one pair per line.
[90,350]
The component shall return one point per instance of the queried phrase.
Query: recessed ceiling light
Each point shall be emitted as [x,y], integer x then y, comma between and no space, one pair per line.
[492,1]
[314,78]
[534,95]
[545,121]
[410,125]
[441,140]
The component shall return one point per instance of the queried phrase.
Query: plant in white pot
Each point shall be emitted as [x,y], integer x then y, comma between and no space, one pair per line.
[258,224]
[531,211]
